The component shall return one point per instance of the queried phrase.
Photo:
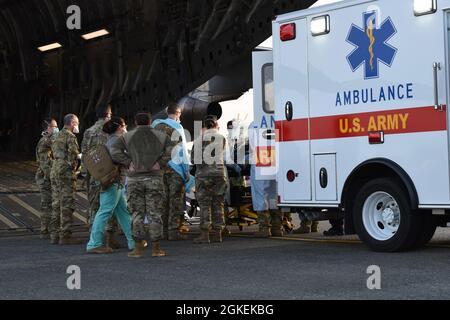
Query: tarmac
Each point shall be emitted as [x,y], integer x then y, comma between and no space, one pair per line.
[293,267]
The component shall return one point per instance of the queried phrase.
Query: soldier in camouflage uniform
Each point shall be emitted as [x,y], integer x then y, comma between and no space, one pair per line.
[44,159]
[141,151]
[211,182]
[95,136]
[63,178]
[173,183]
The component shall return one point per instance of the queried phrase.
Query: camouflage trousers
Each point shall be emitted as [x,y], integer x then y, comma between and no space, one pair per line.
[144,200]
[210,194]
[63,205]
[174,202]
[270,219]
[93,189]
[45,188]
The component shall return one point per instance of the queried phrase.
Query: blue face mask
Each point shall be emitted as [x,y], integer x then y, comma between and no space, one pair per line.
[55,131]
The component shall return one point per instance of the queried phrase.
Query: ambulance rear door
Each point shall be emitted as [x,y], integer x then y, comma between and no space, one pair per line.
[292,110]
[263,133]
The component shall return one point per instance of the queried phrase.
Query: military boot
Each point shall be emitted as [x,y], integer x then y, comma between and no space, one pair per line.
[45,225]
[226,232]
[54,239]
[138,251]
[305,227]
[44,236]
[334,232]
[100,250]
[184,229]
[315,226]
[156,250]
[217,236]
[277,232]
[264,225]
[203,238]
[263,232]
[111,241]
[175,235]
[277,223]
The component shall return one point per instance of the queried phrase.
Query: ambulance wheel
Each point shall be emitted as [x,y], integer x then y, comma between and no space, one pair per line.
[383,217]
[427,231]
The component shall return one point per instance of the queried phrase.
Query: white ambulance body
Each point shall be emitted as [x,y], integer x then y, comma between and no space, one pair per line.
[263,116]
[360,94]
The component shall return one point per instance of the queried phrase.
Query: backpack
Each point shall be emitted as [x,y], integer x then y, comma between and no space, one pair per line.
[100,166]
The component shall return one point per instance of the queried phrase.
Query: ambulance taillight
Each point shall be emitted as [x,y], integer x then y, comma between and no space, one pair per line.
[287,32]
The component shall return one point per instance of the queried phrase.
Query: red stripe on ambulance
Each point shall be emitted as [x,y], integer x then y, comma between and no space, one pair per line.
[422,119]
[294,130]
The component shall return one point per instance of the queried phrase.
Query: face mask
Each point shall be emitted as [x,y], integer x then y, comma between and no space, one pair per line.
[76,130]
[55,131]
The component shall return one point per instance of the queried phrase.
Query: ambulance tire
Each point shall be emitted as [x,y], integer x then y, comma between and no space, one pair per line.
[410,220]
[427,231]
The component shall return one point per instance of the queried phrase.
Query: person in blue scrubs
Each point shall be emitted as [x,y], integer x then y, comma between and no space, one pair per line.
[112,200]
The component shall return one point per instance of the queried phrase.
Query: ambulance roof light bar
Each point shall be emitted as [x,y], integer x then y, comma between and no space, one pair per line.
[422,7]
[320,25]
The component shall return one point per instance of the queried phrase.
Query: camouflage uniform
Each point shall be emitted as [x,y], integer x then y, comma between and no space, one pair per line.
[145,184]
[174,190]
[63,178]
[272,218]
[95,136]
[144,196]
[44,159]
[211,181]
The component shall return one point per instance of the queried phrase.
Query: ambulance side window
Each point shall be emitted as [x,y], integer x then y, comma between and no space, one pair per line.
[267,88]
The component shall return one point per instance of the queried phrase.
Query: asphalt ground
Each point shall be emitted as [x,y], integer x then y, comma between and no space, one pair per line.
[240,268]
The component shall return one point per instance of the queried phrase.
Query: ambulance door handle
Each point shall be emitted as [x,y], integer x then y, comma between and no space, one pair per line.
[289,111]
[436,68]
[268,134]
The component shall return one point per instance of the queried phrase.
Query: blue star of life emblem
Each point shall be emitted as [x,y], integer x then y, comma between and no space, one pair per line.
[371,45]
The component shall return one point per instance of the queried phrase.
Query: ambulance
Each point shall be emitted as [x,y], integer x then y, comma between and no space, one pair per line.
[351,110]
